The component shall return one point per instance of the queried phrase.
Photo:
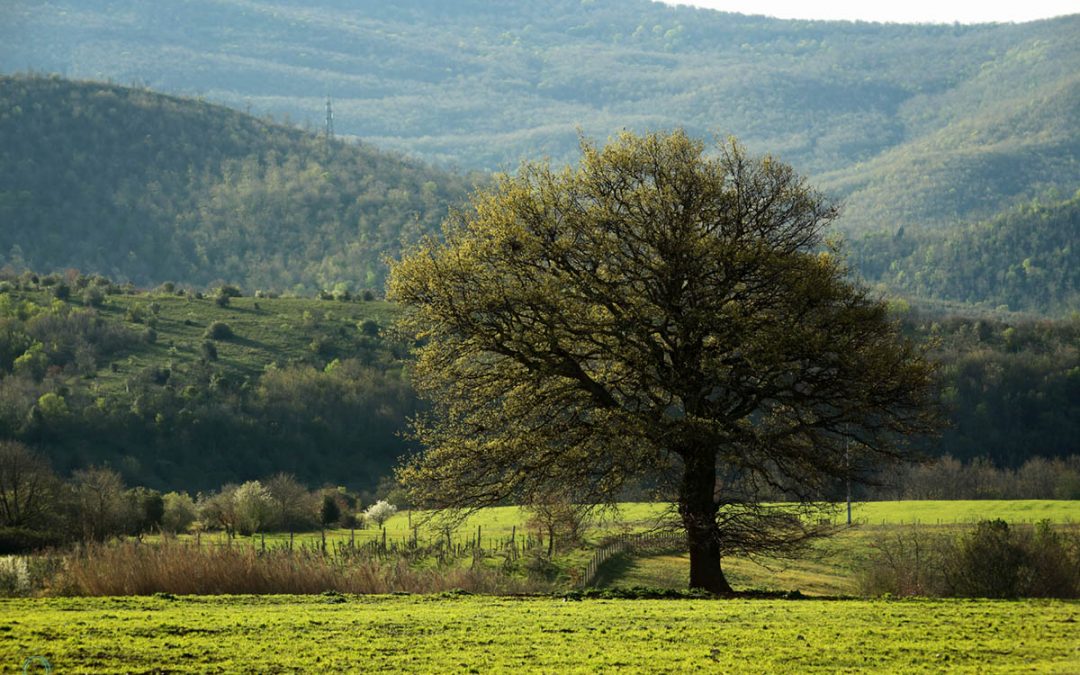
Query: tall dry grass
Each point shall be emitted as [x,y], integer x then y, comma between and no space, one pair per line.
[182,569]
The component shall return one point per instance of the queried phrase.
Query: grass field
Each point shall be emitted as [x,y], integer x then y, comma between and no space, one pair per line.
[481,634]
[502,522]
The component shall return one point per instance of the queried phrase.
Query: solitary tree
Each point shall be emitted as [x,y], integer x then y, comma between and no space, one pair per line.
[656,314]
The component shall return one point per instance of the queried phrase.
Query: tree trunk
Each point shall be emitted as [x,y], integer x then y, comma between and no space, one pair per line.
[697,506]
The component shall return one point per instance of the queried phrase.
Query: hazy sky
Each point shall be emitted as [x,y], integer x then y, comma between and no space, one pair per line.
[907,11]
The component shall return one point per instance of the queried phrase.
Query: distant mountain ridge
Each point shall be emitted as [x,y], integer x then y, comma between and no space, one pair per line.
[911,125]
[151,188]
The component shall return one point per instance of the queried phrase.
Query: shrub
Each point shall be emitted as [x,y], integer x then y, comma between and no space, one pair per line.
[380,512]
[987,562]
[134,314]
[905,563]
[221,300]
[993,560]
[369,327]
[93,296]
[229,291]
[218,330]
[329,510]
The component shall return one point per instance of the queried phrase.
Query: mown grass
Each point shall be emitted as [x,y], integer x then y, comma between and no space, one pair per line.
[335,633]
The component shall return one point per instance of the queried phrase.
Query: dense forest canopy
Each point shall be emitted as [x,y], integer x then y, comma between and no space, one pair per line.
[151,188]
[1026,259]
[910,124]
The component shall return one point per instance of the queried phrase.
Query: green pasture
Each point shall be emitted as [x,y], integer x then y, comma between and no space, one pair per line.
[500,523]
[829,568]
[274,634]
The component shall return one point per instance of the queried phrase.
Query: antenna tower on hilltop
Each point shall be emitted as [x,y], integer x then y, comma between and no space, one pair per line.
[329,119]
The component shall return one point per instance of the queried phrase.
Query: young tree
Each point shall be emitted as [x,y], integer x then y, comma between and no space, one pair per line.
[254,507]
[656,313]
[293,503]
[101,509]
[179,512]
[380,512]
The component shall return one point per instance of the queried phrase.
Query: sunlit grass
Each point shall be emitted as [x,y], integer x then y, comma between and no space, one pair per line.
[493,634]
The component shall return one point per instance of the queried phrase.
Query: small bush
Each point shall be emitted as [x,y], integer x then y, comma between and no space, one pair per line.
[369,327]
[93,296]
[218,330]
[134,314]
[221,300]
[61,291]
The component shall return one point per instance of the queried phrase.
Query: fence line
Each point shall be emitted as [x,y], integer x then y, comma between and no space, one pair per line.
[383,544]
[626,543]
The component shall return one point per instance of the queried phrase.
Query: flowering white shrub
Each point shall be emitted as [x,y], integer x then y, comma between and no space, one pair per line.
[380,512]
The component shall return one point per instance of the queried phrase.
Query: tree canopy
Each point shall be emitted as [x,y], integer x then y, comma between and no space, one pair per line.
[656,314]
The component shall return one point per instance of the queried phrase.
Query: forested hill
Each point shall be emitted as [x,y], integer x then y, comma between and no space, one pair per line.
[910,124]
[178,390]
[1027,259]
[144,187]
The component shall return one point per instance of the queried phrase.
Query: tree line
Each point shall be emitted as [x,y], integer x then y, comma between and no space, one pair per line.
[39,509]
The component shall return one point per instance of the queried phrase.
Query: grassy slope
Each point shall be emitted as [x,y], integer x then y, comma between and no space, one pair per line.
[267,330]
[483,634]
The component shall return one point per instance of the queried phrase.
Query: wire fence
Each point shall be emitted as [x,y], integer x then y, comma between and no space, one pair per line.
[644,542]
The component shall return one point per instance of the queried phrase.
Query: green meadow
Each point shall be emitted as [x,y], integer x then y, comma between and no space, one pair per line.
[502,522]
[274,634]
